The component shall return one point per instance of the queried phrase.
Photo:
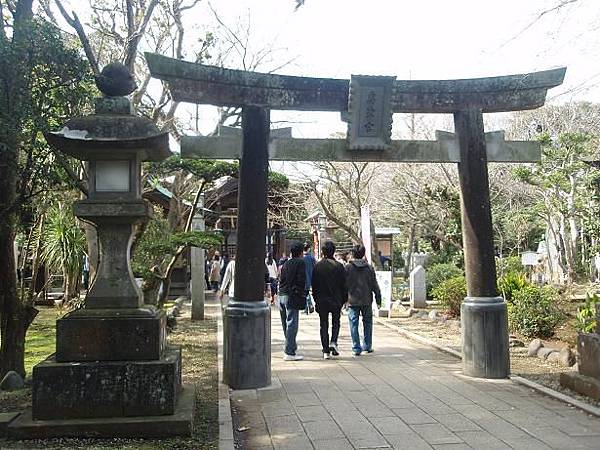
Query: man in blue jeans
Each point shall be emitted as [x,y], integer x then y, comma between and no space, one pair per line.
[362,284]
[291,300]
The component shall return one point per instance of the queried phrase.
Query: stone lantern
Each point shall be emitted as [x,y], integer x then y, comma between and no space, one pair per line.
[112,359]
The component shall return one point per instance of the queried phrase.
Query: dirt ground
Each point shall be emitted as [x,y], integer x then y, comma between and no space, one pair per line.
[534,369]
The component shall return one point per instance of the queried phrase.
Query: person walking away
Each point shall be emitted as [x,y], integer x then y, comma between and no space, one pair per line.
[291,300]
[215,273]
[330,293]
[227,285]
[310,262]
[272,268]
[362,284]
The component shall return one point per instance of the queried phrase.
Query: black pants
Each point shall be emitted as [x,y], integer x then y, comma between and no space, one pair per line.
[335,326]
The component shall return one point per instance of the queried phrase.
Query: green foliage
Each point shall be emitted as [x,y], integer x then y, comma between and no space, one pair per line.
[63,242]
[204,170]
[533,311]
[278,182]
[586,314]
[510,283]
[298,234]
[201,239]
[564,187]
[446,254]
[158,245]
[450,294]
[438,273]
[511,264]
[57,85]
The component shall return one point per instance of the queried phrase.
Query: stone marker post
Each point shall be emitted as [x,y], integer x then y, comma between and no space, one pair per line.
[197,283]
[418,289]
[247,317]
[483,313]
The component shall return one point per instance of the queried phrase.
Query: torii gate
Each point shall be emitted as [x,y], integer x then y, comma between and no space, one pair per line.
[367,104]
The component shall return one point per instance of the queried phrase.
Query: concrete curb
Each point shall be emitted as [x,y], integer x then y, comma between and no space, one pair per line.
[590,409]
[226,441]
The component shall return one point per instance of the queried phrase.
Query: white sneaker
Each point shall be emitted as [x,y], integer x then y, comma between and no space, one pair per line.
[287,357]
[326,356]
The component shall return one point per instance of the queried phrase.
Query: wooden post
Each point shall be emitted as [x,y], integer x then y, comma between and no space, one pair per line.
[252,206]
[247,317]
[483,313]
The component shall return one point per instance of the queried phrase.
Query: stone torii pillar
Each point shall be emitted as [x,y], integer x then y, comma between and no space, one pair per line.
[367,104]
[247,317]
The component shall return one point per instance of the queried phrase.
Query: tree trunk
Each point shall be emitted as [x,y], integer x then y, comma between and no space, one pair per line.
[12,349]
[14,317]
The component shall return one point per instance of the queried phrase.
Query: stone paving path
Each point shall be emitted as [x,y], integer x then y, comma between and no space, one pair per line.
[402,396]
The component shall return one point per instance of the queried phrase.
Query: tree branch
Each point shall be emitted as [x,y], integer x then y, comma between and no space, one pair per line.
[75,23]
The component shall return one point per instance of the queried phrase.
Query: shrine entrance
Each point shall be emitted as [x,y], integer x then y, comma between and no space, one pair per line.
[367,104]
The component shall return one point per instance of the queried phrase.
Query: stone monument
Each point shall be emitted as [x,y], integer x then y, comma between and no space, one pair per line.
[418,290]
[587,381]
[197,255]
[113,373]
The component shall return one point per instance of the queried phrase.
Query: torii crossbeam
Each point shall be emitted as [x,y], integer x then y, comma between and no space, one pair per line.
[367,103]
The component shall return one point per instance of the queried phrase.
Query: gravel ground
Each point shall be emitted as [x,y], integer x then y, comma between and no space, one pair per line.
[199,345]
[534,369]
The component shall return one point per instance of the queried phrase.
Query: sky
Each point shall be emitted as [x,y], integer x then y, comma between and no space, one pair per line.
[425,39]
[409,39]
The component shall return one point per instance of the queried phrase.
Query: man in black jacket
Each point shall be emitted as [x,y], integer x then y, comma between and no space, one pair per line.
[291,300]
[330,293]
[362,284]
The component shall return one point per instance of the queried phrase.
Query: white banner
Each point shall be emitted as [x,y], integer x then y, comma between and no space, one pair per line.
[365,230]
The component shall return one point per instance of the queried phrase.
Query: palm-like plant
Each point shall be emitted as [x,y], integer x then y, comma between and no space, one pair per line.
[63,245]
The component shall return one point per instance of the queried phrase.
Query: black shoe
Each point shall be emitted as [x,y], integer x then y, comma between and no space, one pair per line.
[333,349]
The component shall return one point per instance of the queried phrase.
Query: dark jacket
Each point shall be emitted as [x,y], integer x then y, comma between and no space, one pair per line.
[362,284]
[310,263]
[292,282]
[329,285]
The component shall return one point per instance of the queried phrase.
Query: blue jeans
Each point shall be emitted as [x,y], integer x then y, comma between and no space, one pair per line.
[354,313]
[289,322]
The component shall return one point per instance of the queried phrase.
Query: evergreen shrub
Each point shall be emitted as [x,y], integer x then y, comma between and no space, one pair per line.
[438,273]
[533,312]
[450,294]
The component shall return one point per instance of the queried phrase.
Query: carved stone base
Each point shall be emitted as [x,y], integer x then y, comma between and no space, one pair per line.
[75,390]
[177,424]
[111,335]
[484,324]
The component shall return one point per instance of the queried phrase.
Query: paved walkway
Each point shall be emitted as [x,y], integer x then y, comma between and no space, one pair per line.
[402,396]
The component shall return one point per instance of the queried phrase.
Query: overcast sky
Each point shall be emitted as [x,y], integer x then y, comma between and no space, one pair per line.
[424,39]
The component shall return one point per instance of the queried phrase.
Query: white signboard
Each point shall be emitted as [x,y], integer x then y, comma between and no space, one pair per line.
[529,258]
[365,230]
[384,280]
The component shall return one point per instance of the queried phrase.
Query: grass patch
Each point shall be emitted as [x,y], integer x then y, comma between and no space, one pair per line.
[40,341]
